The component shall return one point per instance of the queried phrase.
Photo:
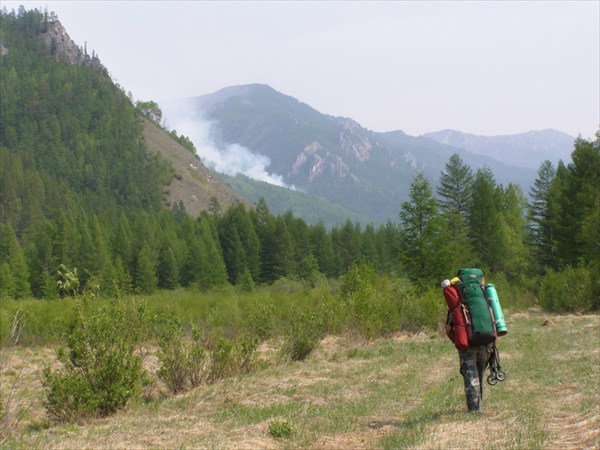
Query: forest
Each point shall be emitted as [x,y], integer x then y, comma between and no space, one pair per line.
[79,191]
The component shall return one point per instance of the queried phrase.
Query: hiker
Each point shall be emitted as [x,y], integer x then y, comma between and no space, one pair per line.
[470,326]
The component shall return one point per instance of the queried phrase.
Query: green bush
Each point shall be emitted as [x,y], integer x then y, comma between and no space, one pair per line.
[229,357]
[571,290]
[304,332]
[102,368]
[514,295]
[261,319]
[425,311]
[181,359]
[281,429]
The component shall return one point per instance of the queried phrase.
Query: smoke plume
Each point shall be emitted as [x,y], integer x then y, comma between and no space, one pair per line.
[231,159]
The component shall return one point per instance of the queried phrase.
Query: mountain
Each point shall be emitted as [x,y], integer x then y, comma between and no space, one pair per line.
[366,172]
[528,149]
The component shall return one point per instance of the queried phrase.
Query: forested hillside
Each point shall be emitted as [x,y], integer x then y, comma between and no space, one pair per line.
[79,191]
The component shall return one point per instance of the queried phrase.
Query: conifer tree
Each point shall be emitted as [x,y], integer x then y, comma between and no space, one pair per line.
[215,273]
[422,235]
[322,249]
[7,287]
[511,254]
[483,217]
[168,271]
[580,217]
[455,188]
[146,280]
[543,216]
[12,254]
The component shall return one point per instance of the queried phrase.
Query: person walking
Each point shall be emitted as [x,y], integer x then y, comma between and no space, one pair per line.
[473,353]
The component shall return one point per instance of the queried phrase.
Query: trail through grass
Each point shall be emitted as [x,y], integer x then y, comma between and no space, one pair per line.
[404,391]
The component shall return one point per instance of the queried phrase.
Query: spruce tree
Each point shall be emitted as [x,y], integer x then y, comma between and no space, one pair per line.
[422,235]
[483,218]
[146,280]
[543,216]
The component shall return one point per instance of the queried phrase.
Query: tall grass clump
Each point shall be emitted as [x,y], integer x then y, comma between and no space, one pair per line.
[102,365]
[571,290]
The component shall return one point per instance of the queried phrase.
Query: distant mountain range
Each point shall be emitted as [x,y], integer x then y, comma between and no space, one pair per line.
[528,149]
[335,158]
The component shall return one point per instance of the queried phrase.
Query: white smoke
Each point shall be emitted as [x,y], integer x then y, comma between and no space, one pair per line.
[230,159]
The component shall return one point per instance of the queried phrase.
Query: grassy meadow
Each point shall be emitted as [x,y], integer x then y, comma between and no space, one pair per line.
[355,389]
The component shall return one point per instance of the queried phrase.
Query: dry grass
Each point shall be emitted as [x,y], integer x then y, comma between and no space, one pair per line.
[404,391]
[194,184]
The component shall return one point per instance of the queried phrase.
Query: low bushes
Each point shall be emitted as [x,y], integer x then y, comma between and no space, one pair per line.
[202,337]
[102,366]
[571,290]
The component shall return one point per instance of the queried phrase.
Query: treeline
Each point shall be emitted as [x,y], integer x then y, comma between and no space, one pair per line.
[469,221]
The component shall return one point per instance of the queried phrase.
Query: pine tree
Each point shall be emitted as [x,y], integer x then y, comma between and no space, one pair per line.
[146,280]
[580,236]
[168,272]
[511,254]
[543,216]
[421,229]
[7,287]
[12,254]
[483,218]
[455,188]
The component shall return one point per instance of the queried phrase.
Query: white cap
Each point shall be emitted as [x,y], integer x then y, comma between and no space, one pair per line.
[445,283]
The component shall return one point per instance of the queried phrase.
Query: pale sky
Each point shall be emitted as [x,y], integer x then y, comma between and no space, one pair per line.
[481,67]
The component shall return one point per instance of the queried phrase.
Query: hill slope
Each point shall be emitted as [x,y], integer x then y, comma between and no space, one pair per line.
[71,138]
[194,185]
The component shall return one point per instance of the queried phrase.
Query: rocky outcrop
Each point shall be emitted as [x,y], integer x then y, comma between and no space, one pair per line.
[62,47]
[315,161]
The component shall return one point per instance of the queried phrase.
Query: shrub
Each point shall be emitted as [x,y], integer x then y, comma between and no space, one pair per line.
[373,307]
[280,429]
[182,360]
[261,319]
[425,311]
[303,335]
[224,359]
[569,290]
[102,369]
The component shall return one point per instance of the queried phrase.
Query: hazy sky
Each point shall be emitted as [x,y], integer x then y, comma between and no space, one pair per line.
[483,67]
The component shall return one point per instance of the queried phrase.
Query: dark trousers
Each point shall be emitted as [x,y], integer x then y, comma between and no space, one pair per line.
[472,364]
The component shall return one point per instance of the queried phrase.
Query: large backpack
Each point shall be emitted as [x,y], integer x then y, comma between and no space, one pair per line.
[472,292]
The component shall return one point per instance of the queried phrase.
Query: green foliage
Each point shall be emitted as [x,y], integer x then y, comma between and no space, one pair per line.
[182,360]
[102,368]
[230,356]
[571,290]
[373,307]
[185,143]
[281,429]
[150,110]
[422,232]
[303,334]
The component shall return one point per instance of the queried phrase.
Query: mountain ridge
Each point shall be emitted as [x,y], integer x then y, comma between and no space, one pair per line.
[333,157]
